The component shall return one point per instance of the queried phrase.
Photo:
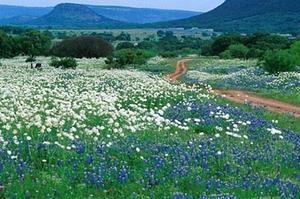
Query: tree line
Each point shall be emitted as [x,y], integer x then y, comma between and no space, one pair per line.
[276,53]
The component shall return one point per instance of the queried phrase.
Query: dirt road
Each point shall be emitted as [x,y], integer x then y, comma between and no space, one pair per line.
[240,96]
[181,69]
[269,104]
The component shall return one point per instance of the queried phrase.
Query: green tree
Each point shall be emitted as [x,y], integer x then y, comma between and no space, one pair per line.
[4,45]
[238,51]
[279,61]
[295,50]
[226,55]
[222,43]
[124,45]
[34,43]
[124,37]
[160,33]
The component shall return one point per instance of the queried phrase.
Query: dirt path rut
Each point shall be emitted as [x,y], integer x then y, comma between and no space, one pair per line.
[181,69]
[240,96]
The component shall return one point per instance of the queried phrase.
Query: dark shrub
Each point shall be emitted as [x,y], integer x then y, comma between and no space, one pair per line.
[80,47]
[279,61]
[222,43]
[65,63]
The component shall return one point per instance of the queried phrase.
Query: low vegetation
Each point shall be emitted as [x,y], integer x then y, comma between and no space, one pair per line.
[92,133]
[245,75]
[64,63]
[83,46]
[125,57]
[31,43]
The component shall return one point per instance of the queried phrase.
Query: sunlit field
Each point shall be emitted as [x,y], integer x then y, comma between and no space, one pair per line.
[95,133]
[245,75]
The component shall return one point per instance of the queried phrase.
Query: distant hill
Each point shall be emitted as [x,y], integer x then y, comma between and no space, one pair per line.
[141,15]
[18,20]
[7,12]
[247,16]
[19,15]
[75,15]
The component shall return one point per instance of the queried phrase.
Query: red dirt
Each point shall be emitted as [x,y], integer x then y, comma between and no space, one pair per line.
[241,96]
[269,104]
[181,69]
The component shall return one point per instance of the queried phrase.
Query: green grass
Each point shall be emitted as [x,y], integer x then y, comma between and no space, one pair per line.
[291,98]
[215,61]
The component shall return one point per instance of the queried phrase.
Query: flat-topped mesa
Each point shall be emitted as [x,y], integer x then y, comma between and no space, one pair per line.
[73,15]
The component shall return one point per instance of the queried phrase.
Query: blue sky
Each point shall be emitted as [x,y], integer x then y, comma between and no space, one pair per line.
[197,5]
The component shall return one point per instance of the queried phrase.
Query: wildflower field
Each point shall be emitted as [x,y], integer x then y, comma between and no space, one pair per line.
[94,133]
[244,75]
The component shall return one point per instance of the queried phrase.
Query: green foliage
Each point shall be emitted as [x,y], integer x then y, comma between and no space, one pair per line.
[84,46]
[168,54]
[125,57]
[5,45]
[160,33]
[64,63]
[32,43]
[237,51]
[146,45]
[124,45]
[169,45]
[123,37]
[226,55]
[13,30]
[251,46]
[279,61]
[295,50]
[222,43]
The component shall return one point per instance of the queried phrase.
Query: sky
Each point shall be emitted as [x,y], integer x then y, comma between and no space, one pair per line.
[195,5]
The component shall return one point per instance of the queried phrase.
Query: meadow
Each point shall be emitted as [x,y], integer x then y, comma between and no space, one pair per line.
[95,133]
[245,75]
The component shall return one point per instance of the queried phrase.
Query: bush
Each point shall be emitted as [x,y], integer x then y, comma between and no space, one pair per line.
[65,63]
[279,61]
[125,57]
[85,46]
[238,51]
[225,55]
